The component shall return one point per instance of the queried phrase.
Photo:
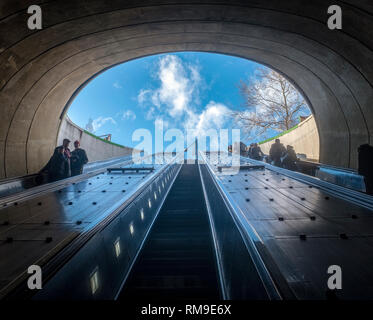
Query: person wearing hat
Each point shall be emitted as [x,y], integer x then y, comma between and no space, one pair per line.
[78,159]
[58,167]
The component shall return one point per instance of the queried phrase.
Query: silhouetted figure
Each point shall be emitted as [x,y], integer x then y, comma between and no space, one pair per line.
[58,166]
[290,158]
[365,169]
[243,149]
[276,152]
[78,159]
[250,150]
[256,152]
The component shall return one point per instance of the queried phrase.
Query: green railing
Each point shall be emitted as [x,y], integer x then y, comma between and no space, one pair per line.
[98,138]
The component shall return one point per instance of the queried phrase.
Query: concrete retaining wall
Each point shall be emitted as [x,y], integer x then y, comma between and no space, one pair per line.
[96,148]
[304,139]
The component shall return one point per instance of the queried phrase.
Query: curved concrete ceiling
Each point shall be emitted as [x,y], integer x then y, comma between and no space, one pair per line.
[40,71]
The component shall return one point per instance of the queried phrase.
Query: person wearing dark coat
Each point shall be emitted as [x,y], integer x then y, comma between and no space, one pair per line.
[250,151]
[78,159]
[256,152]
[290,158]
[276,152]
[365,166]
[58,166]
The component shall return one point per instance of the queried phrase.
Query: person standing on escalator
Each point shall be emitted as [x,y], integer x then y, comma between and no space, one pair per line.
[276,152]
[78,159]
[58,166]
[365,160]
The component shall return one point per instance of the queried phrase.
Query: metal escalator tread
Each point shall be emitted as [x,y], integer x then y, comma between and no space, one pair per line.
[177,260]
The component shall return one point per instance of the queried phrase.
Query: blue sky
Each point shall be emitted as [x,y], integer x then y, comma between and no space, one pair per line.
[184,90]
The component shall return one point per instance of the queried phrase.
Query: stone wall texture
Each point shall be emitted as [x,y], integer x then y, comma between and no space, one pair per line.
[41,71]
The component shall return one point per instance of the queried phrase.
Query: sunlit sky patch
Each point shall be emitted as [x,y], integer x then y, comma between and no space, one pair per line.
[186,90]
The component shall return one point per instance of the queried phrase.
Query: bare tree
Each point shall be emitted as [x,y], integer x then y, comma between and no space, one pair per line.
[271,103]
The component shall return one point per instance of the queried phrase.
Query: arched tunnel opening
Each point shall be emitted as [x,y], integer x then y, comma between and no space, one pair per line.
[222,226]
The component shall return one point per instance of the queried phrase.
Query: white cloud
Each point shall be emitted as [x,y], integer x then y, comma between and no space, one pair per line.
[178,97]
[178,85]
[214,116]
[160,122]
[94,125]
[128,114]
[143,95]
[117,85]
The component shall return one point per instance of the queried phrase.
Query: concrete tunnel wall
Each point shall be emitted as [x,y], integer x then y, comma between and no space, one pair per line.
[304,138]
[96,149]
[40,70]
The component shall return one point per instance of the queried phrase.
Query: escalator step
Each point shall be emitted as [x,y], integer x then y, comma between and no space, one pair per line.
[177,260]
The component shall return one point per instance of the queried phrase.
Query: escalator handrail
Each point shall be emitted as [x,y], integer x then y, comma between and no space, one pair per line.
[55,263]
[249,235]
[356,197]
[53,186]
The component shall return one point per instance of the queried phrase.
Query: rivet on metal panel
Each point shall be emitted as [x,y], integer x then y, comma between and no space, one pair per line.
[302,237]
[312,218]
[47,223]
[343,236]
[280,219]
[48,239]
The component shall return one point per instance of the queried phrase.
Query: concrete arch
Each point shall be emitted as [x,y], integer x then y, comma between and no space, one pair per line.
[41,70]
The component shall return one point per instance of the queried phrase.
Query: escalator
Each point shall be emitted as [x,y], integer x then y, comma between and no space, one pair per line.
[177,260]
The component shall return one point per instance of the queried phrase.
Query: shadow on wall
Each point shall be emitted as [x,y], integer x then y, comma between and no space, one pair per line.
[97,149]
